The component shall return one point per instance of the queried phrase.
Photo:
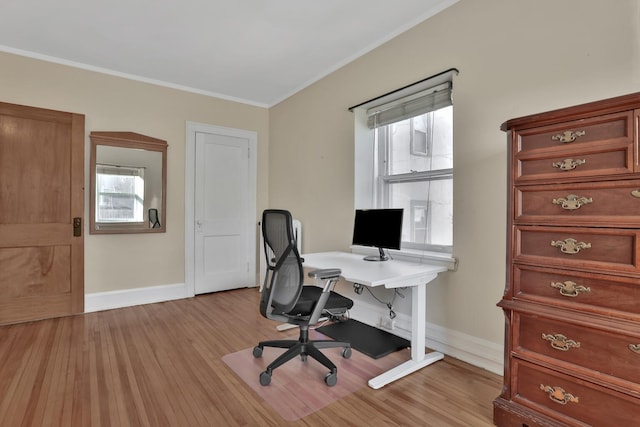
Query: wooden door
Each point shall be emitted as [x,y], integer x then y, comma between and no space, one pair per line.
[41,205]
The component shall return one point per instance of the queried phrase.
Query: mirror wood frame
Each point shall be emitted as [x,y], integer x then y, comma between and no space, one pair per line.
[137,142]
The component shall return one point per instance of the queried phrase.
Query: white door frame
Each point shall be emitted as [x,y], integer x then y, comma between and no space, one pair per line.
[189,192]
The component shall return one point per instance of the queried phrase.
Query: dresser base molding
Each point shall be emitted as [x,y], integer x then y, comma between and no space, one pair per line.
[511,414]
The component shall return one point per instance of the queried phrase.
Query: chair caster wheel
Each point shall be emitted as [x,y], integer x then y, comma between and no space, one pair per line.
[346,352]
[303,357]
[265,378]
[257,351]
[331,378]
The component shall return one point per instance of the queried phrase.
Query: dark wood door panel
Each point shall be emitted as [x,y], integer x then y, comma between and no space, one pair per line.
[35,171]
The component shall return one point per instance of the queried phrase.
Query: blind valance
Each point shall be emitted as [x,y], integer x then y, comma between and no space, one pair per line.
[413,105]
[421,97]
[107,169]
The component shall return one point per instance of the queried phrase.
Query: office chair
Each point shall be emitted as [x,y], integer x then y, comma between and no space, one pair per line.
[285,298]
[154,221]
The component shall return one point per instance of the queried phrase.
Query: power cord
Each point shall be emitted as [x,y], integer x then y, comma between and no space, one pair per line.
[358,288]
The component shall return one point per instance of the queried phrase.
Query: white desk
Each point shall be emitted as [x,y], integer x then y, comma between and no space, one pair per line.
[390,274]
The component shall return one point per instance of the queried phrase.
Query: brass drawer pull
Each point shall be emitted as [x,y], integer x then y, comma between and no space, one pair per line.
[568,164]
[572,202]
[570,246]
[568,136]
[560,342]
[569,288]
[635,348]
[636,193]
[558,395]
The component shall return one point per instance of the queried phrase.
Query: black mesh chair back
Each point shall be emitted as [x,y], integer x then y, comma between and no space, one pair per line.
[284,281]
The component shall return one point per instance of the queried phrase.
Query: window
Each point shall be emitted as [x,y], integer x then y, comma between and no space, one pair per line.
[415,172]
[119,193]
[407,137]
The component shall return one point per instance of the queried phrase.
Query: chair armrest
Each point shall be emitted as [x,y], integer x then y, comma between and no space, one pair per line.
[326,273]
[330,276]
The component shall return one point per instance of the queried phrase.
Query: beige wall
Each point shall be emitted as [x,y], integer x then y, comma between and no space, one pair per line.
[516,57]
[114,262]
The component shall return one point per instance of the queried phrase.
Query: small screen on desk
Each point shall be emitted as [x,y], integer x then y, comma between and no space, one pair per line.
[380,228]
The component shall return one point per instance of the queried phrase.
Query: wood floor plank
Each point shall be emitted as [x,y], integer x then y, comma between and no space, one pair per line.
[161,365]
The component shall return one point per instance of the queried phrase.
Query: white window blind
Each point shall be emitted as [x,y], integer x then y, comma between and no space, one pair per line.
[425,101]
[106,169]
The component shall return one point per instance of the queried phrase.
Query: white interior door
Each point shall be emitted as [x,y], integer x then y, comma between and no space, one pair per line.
[224,212]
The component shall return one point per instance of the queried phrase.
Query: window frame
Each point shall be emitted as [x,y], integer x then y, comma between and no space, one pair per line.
[371,189]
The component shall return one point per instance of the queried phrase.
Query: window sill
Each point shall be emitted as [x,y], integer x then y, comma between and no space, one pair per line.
[413,255]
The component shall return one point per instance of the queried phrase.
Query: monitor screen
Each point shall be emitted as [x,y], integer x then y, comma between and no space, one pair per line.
[380,228]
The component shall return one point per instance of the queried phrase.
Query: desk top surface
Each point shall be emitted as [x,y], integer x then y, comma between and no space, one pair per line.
[391,273]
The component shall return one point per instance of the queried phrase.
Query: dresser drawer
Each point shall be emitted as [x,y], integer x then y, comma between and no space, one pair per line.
[578,290]
[571,400]
[592,249]
[604,352]
[609,159]
[608,203]
[575,135]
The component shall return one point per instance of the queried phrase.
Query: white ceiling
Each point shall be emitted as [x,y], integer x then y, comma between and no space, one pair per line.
[254,51]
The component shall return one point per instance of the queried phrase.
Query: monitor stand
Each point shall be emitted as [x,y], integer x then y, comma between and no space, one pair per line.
[381,257]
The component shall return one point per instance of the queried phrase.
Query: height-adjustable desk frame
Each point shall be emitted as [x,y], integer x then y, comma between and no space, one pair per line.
[390,274]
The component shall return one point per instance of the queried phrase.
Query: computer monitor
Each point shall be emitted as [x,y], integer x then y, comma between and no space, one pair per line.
[379,228]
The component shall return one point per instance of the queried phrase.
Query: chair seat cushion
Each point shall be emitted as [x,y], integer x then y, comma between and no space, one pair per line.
[309,297]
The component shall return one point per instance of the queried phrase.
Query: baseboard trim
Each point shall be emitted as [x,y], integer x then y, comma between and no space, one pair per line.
[99,301]
[478,352]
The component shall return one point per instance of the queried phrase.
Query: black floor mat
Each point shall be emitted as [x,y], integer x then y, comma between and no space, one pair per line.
[371,341]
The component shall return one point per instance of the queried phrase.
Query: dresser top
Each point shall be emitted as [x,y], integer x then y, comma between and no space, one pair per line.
[597,108]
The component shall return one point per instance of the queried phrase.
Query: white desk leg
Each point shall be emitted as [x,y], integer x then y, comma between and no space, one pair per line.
[418,331]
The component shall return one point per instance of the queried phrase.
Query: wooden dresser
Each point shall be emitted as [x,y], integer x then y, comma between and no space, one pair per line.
[572,296]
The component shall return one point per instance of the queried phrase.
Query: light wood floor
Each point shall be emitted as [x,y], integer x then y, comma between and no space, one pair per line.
[160,365]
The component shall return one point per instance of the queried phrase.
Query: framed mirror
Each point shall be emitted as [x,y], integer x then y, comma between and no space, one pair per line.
[128,178]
